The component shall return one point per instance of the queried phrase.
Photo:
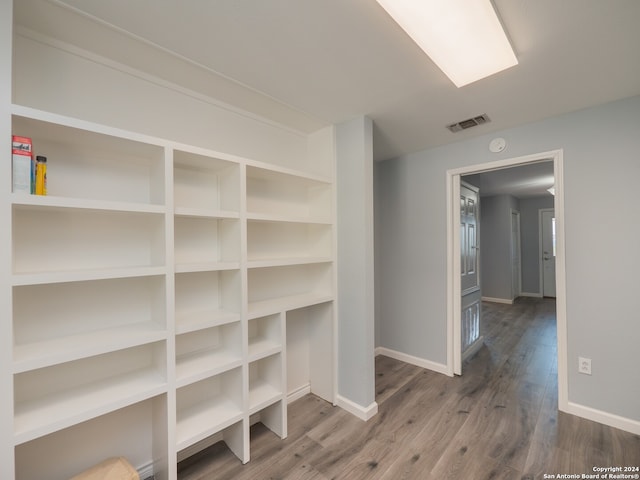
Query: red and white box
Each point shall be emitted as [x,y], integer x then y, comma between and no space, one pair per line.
[22,154]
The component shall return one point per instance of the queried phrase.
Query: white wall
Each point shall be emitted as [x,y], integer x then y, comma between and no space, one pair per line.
[6,335]
[74,83]
[601,166]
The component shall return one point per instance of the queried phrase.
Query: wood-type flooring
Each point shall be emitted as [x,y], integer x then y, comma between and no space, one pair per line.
[498,421]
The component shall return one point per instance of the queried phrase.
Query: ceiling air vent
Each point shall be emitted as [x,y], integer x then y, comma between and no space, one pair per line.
[468,123]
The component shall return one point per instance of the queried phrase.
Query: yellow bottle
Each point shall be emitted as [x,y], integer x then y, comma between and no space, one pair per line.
[41,175]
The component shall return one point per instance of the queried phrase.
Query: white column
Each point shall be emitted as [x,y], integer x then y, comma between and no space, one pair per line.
[356,325]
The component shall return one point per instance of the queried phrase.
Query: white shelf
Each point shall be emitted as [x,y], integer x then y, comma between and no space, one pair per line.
[85,239]
[284,262]
[265,382]
[205,353]
[200,212]
[197,366]
[119,430]
[288,218]
[94,163]
[290,302]
[52,202]
[208,406]
[82,275]
[206,267]
[41,416]
[203,420]
[59,350]
[199,320]
[98,289]
[206,299]
[206,240]
[205,183]
[282,195]
[263,347]
[261,395]
[265,336]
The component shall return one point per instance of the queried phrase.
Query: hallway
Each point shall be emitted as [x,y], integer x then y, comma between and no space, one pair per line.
[498,421]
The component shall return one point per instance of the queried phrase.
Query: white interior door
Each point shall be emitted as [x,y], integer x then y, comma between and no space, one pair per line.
[470,303]
[548,251]
[470,280]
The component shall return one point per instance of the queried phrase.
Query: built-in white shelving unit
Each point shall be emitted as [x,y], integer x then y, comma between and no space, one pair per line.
[160,293]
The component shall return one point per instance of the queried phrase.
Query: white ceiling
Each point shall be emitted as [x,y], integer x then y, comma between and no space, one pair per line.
[525,181]
[327,61]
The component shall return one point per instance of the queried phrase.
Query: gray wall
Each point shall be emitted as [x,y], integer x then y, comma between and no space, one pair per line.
[600,150]
[354,159]
[495,245]
[530,240]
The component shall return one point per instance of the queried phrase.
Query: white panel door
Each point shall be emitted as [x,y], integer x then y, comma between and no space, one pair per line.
[469,265]
[470,280]
[548,250]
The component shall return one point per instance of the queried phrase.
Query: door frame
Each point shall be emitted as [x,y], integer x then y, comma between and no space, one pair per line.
[515,293]
[540,248]
[454,354]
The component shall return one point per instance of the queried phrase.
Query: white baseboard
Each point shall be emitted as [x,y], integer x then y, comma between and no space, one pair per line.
[146,471]
[298,393]
[531,294]
[418,362]
[363,413]
[610,419]
[473,348]
[498,300]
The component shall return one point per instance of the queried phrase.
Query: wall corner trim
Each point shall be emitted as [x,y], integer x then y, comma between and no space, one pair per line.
[363,413]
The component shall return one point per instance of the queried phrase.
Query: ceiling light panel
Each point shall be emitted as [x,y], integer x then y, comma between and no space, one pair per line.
[463,37]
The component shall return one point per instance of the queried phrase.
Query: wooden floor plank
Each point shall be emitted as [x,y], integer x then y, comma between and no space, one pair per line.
[498,421]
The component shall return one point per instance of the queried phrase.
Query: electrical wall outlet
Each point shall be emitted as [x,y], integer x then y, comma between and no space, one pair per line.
[584,365]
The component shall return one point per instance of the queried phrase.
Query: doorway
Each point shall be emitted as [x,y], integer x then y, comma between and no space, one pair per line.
[547,220]
[454,321]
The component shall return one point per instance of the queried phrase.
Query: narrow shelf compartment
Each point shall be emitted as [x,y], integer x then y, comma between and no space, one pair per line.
[53,398]
[60,322]
[67,452]
[274,289]
[66,240]
[270,240]
[207,352]
[201,241]
[207,407]
[265,336]
[288,196]
[206,299]
[274,417]
[93,165]
[310,351]
[265,382]
[205,184]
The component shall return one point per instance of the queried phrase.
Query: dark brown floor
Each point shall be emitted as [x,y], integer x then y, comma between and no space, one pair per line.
[498,421]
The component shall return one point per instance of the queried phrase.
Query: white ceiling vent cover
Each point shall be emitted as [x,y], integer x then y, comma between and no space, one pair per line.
[468,123]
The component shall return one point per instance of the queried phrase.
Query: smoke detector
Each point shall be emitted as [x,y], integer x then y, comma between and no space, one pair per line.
[469,123]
